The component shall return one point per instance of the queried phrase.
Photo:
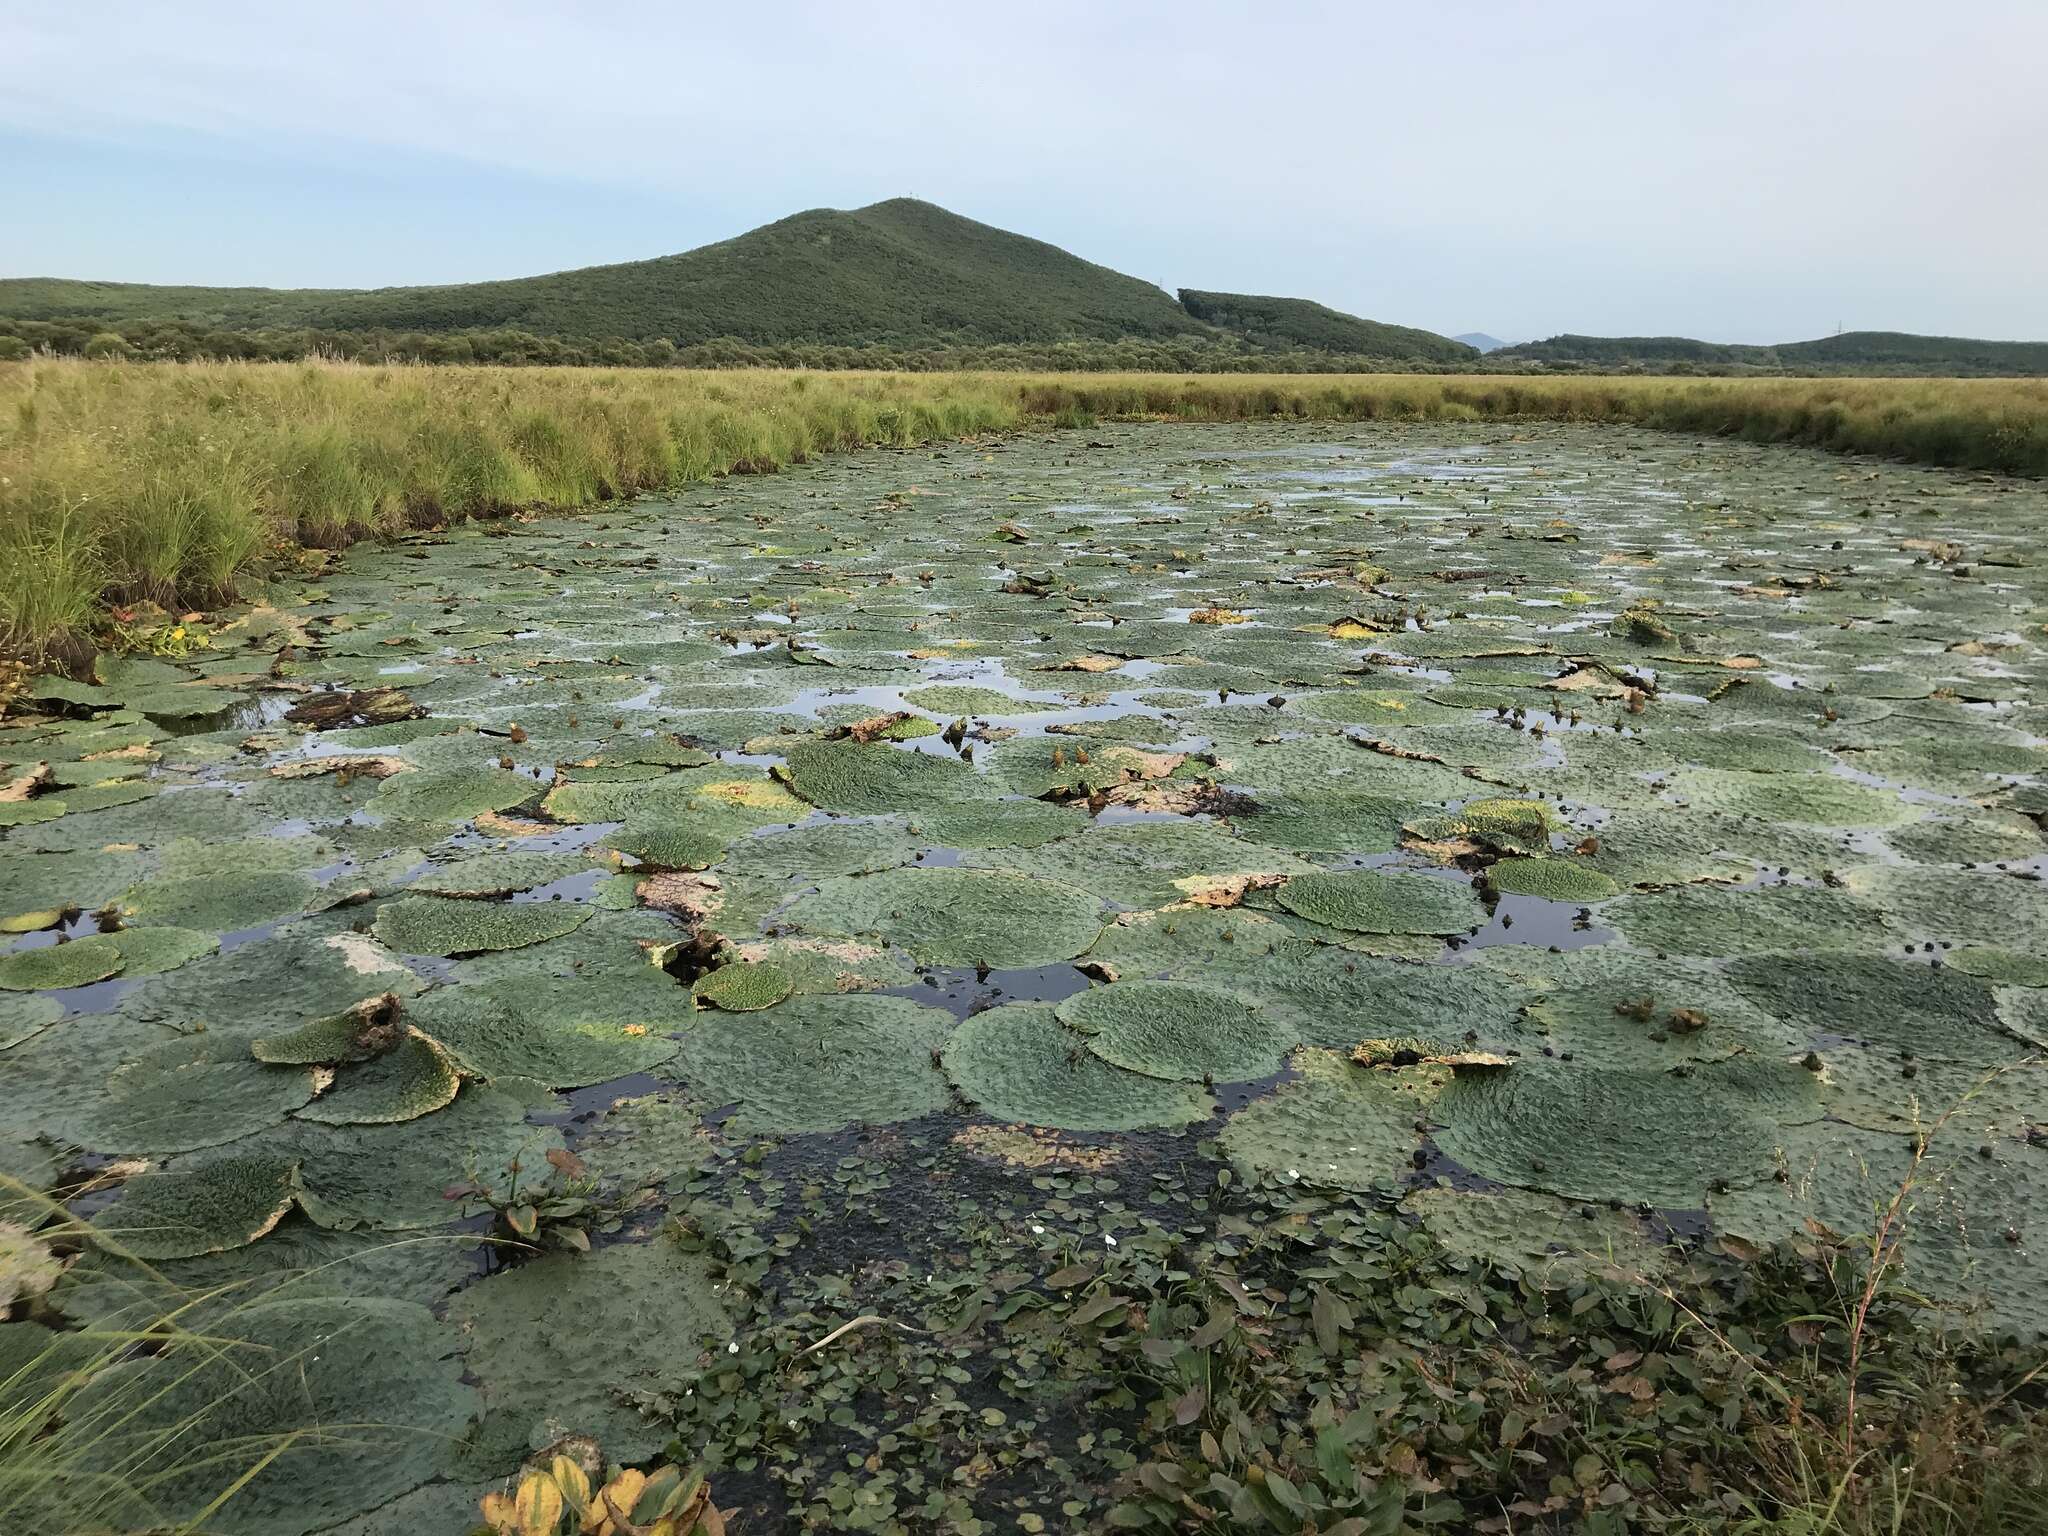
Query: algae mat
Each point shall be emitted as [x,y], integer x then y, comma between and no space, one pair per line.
[1581,842]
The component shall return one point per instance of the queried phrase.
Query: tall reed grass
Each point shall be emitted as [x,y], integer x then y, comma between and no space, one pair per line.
[169,481]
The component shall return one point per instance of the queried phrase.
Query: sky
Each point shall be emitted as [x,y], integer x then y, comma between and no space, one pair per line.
[1735,171]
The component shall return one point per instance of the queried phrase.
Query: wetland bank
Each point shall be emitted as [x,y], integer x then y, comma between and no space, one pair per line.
[1276,976]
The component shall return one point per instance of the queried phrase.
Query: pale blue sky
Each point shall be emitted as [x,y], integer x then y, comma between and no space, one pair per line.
[1739,171]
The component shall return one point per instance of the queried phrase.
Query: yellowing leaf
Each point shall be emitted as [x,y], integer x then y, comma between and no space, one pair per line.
[755,794]
[500,1514]
[574,1484]
[538,1505]
[620,1494]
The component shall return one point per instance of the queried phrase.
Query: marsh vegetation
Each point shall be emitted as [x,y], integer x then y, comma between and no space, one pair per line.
[1369,975]
[179,485]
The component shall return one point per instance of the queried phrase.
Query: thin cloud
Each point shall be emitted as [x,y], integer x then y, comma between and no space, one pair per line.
[1743,171]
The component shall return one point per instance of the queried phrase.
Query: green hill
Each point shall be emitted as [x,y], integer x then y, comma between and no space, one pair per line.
[895,273]
[1877,352]
[1897,350]
[1284,324]
[896,276]
[1623,351]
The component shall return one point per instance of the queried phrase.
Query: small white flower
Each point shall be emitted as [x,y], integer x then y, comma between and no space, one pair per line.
[1294,1173]
[1037,1230]
[733,1348]
[1109,1240]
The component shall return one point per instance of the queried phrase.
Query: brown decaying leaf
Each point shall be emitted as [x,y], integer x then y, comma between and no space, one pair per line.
[1223,890]
[694,897]
[22,787]
[497,824]
[353,764]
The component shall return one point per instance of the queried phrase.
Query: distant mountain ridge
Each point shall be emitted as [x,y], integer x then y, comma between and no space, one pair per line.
[900,283]
[900,273]
[1849,352]
[1283,324]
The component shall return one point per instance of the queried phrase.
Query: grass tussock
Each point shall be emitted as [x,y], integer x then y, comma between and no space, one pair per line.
[168,483]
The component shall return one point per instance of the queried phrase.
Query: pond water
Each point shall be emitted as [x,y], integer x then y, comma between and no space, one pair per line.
[870,889]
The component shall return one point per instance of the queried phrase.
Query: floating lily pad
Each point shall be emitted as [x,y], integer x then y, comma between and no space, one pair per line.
[49,967]
[690,840]
[831,848]
[1551,879]
[538,1378]
[396,1177]
[1971,1103]
[1177,1031]
[950,699]
[1694,921]
[2000,965]
[356,1034]
[1550,1241]
[274,984]
[1145,864]
[1907,1006]
[415,1077]
[1336,998]
[200,1091]
[294,1258]
[436,925]
[1497,826]
[832,965]
[1045,767]
[718,793]
[455,794]
[957,916]
[313,1410]
[23,1016]
[1655,1138]
[1817,799]
[817,1063]
[1177,942]
[743,987]
[1611,1008]
[1965,1235]
[1367,901]
[649,1142]
[997,823]
[224,903]
[1327,823]
[871,780]
[1976,838]
[1018,1063]
[499,874]
[566,1033]
[1377,707]
[1968,906]
[1336,1124]
[228,1202]
[63,882]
